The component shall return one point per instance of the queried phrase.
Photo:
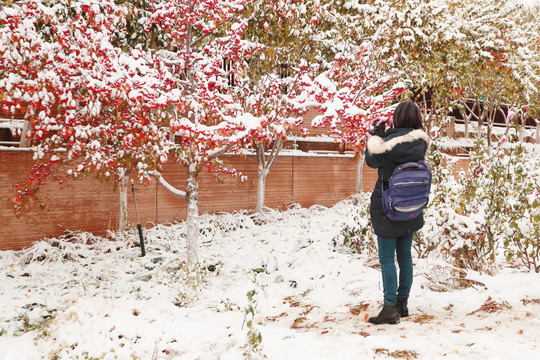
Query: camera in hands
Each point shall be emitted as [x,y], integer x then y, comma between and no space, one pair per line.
[378,127]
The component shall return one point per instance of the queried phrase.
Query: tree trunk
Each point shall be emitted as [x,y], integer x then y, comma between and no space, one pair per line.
[189,35]
[192,187]
[261,186]
[359,170]
[522,127]
[489,145]
[480,122]
[490,117]
[489,126]
[265,164]
[521,133]
[538,132]
[427,116]
[468,115]
[123,220]
[24,143]
[192,203]
[506,123]
[466,118]
[261,175]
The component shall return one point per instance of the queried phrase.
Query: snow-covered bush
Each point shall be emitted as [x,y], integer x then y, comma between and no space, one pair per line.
[517,218]
[438,212]
[503,191]
[356,230]
[491,209]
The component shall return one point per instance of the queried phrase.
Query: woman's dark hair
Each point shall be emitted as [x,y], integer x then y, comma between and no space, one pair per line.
[407,114]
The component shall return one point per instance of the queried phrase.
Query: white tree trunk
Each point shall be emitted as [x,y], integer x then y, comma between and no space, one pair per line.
[507,124]
[192,203]
[522,128]
[359,170]
[261,186]
[480,123]
[489,129]
[468,115]
[489,144]
[265,164]
[123,219]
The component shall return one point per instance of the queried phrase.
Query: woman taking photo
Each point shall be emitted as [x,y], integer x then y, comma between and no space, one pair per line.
[404,142]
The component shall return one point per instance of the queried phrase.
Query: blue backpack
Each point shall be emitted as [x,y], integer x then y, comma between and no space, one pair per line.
[407,193]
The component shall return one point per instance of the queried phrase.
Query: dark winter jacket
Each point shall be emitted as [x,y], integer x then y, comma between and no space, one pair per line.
[399,146]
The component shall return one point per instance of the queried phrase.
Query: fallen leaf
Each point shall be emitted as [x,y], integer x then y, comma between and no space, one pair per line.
[491,306]
[357,310]
[298,323]
[423,318]
[362,333]
[274,318]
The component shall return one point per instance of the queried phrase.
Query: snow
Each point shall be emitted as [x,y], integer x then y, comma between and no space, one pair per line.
[11,124]
[530,2]
[88,297]
[81,296]
[11,148]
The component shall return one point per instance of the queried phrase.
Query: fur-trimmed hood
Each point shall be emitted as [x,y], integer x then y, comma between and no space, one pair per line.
[378,145]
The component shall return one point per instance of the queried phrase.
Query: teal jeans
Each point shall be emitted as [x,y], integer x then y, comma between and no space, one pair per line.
[389,248]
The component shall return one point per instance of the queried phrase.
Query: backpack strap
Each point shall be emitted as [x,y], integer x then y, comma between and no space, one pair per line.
[384,183]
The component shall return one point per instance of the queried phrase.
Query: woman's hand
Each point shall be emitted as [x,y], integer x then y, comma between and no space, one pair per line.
[384,120]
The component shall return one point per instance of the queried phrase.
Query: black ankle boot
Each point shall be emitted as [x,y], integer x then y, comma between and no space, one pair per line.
[388,315]
[401,307]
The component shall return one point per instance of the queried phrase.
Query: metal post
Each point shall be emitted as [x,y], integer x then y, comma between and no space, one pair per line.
[141,237]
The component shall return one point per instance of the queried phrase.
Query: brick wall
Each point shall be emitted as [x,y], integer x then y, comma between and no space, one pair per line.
[89,205]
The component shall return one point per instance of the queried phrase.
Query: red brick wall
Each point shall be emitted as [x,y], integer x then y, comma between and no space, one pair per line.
[81,205]
[89,205]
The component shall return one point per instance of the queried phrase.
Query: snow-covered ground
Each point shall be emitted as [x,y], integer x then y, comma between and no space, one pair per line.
[82,297]
[530,2]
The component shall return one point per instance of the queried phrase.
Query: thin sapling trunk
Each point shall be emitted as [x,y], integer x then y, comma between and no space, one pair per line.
[359,169]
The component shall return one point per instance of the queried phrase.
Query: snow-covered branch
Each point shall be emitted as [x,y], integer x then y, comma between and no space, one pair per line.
[218,152]
[161,181]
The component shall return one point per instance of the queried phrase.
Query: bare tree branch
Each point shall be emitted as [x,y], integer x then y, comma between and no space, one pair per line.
[278,144]
[259,149]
